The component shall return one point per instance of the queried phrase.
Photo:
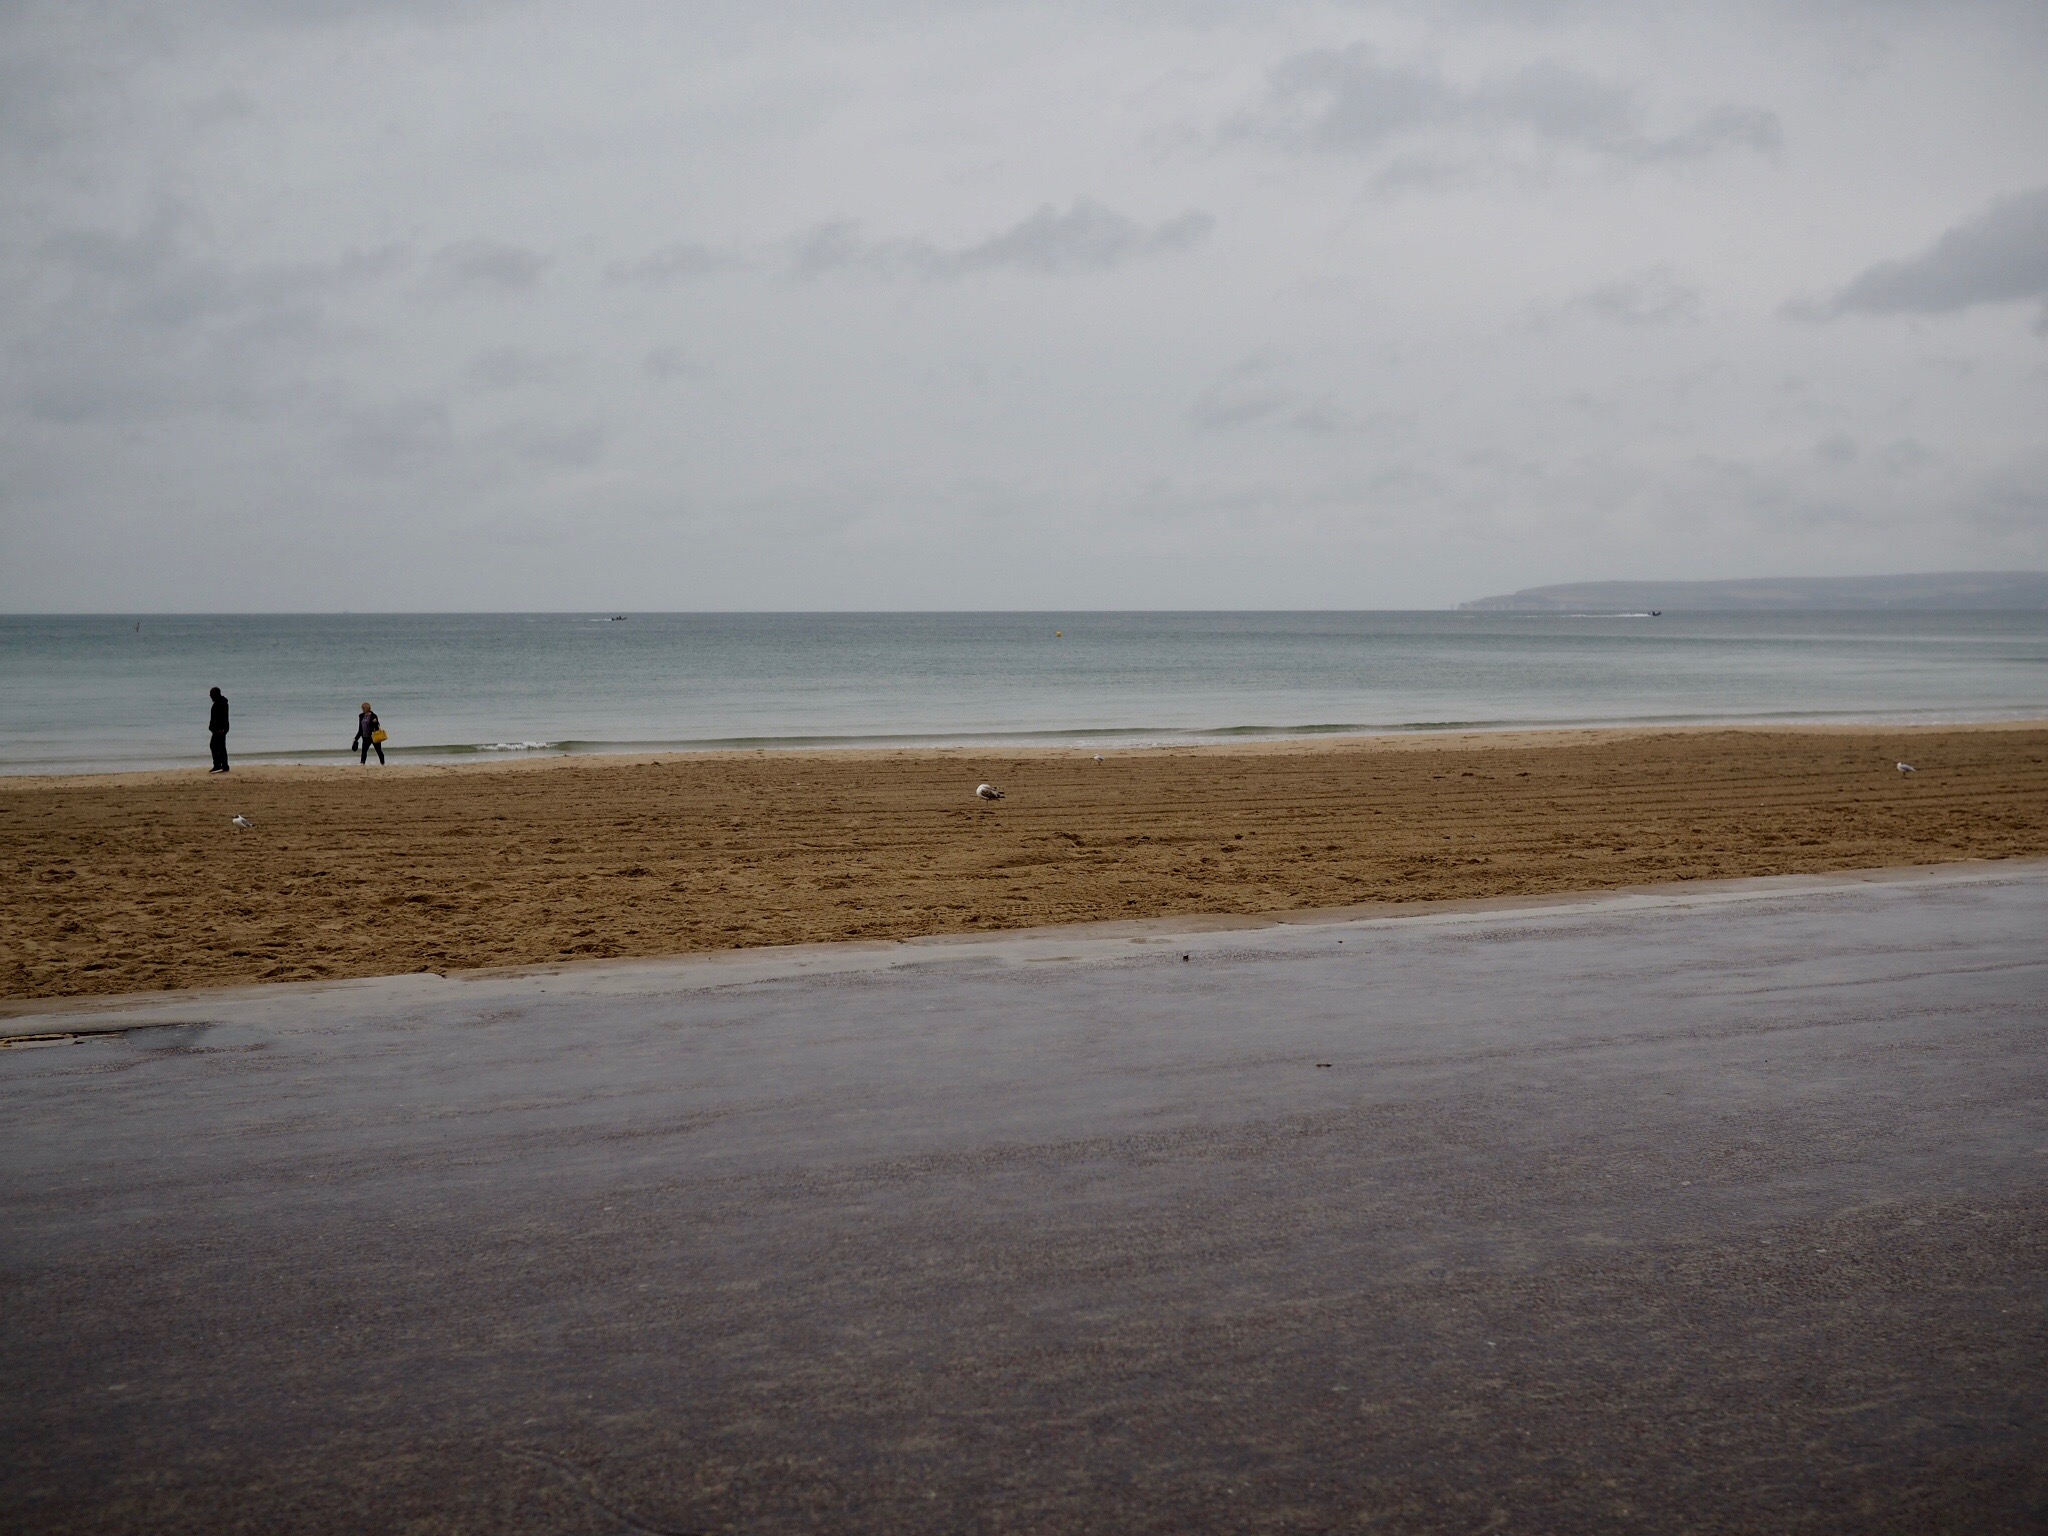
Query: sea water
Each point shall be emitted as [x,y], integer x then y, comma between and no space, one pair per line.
[82,693]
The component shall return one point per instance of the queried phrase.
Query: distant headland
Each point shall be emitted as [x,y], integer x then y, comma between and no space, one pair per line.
[1782,594]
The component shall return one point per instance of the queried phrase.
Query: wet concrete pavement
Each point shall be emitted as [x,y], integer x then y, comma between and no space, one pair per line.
[1644,1215]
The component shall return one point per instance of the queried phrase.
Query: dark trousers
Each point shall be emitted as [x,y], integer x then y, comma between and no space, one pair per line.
[218,740]
[367,745]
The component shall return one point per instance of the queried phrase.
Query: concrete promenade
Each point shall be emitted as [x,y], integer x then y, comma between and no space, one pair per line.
[1722,1210]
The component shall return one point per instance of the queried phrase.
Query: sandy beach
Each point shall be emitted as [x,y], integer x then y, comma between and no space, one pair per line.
[139,882]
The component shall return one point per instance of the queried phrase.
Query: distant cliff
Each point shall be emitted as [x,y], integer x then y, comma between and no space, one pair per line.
[1783,594]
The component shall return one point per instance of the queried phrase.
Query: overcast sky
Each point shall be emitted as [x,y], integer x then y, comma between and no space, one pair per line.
[322,304]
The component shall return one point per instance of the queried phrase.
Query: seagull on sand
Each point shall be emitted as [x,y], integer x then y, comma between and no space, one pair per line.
[244,823]
[1904,768]
[988,792]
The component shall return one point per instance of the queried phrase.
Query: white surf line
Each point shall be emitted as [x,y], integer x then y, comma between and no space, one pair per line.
[284,1004]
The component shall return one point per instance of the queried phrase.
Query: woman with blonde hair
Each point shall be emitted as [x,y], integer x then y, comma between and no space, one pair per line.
[369,733]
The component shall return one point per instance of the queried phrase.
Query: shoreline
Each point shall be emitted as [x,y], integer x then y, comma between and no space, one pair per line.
[1475,738]
[707,969]
[139,882]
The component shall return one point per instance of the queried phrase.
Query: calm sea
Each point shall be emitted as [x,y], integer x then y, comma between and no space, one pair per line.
[108,692]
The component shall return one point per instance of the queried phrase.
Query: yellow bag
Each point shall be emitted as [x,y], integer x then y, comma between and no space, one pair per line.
[380,736]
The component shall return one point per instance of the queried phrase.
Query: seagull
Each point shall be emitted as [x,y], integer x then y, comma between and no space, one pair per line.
[1904,767]
[244,823]
[988,792]
[1098,757]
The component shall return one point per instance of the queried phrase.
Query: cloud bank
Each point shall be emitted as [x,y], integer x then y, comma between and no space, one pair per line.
[1333,304]
[1998,257]
[1351,101]
[1084,237]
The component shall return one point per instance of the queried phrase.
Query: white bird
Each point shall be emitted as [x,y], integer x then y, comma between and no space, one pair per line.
[244,823]
[988,792]
[1098,757]
[1904,767]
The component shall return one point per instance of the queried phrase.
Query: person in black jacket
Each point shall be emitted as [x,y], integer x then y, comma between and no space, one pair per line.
[367,727]
[217,730]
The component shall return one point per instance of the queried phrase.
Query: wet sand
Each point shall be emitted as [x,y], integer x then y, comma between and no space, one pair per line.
[138,882]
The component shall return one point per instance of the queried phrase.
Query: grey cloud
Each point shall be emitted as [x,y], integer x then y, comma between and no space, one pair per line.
[1429,172]
[837,246]
[1344,99]
[310,14]
[148,278]
[666,363]
[550,444]
[225,106]
[1906,456]
[41,93]
[486,264]
[1085,237]
[135,326]
[1347,100]
[413,436]
[1654,297]
[1320,417]
[513,368]
[1247,396]
[1998,257]
[1555,102]
[83,390]
[396,439]
[671,264]
[1724,128]
[1221,407]
[2014,499]
[1273,509]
